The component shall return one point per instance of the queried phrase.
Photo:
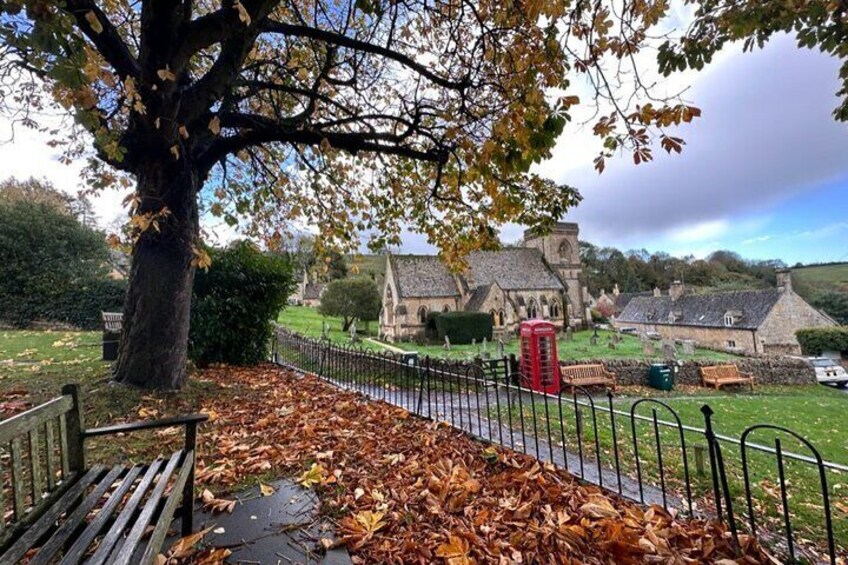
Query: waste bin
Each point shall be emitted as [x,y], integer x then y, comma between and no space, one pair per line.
[661,377]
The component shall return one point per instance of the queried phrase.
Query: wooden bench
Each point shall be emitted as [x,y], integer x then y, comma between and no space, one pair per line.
[49,492]
[587,375]
[720,375]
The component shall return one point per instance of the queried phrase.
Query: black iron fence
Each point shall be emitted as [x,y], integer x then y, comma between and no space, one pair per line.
[778,487]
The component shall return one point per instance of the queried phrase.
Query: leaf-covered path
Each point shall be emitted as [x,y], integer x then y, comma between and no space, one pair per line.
[407,490]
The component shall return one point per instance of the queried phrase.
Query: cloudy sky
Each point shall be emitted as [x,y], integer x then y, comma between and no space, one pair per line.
[764,171]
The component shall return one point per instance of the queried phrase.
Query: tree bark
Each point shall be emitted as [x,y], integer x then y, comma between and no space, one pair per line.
[153,352]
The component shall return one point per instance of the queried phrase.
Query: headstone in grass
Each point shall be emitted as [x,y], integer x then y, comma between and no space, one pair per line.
[688,347]
[593,340]
[648,347]
[447,343]
[611,344]
[569,334]
[669,350]
[501,352]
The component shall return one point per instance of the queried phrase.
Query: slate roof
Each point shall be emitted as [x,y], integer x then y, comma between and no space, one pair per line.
[478,296]
[705,310]
[422,276]
[624,298]
[516,268]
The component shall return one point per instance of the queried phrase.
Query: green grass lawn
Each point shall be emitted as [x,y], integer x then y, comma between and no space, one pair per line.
[814,412]
[308,322]
[580,348]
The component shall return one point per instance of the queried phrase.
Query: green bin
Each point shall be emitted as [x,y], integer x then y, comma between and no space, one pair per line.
[661,377]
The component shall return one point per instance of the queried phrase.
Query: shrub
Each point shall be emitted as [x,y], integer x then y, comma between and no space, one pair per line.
[234,304]
[463,327]
[81,306]
[430,330]
[814,341]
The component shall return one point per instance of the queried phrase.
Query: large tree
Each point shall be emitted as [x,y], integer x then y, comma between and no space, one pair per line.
[358,116]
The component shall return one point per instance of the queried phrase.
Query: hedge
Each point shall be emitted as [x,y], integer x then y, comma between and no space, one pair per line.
[814,341]
[463,327]
[78,305]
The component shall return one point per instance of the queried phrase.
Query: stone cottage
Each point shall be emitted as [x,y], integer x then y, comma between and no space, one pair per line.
[542,279]
[616,301]
[307,293]
[752,321]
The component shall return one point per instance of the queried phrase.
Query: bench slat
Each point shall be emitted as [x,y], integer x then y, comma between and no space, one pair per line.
[32,534]
[75,519]
[34,417]
[157,538]
[125,553]
[34,466]
[63,445]
[50,446]
[75,553]
[18,479]
[108,542]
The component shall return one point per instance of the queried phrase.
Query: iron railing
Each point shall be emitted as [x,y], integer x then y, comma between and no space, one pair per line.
[627,449]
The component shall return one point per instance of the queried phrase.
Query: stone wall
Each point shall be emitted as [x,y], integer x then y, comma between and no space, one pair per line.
[766,370]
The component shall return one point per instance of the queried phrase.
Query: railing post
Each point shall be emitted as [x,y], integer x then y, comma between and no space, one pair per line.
[719,476]
[75,427]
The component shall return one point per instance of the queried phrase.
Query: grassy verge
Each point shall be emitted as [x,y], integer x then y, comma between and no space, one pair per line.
[308,322]
[814,412]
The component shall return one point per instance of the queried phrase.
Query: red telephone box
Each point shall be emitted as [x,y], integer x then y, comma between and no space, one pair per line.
[539,365]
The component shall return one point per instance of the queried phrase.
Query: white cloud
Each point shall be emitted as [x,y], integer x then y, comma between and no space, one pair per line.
[700,232]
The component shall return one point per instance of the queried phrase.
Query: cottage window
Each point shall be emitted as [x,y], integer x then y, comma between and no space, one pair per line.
[555,313]
[422,315]
[728,320]
[532,310]
[731,343]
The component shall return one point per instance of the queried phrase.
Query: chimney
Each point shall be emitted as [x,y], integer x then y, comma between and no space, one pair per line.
[784,280]
[615,291]
[675,291]
[657,291]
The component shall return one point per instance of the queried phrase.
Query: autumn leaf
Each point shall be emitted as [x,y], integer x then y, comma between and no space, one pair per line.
[175,151]
[201,259]
[455,552]
[92,20]
[215,125]
[370,522]
[244,16]
[599,507]
[216,505]
[183,132]
[183,546]
[266,490]
[166,74]
[313,476]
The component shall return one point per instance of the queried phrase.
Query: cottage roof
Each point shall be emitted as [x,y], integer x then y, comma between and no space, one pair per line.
[516,268]
[705,310]
[623,299]
[422,276]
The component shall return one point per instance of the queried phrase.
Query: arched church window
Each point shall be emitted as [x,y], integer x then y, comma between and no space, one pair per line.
[495,319]
[501,318]
[446,308]
[422,315]
[555,312]
[532,310]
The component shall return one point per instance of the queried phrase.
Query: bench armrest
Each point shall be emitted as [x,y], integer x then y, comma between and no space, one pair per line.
[146,425]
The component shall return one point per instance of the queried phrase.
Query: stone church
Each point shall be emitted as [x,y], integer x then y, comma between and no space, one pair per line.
[541,278]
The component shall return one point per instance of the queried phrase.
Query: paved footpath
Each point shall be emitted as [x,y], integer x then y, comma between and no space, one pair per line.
[282,529]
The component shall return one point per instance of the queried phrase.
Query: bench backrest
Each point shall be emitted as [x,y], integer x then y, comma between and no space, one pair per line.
[573,372]
[721,372]
[42,453]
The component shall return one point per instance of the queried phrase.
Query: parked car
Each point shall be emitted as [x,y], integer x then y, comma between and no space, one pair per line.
[829,371]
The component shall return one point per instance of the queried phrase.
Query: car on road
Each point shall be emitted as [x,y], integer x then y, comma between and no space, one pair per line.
[829,371]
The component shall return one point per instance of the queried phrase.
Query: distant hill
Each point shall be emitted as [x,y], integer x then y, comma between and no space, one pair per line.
[371,266]
[820,278]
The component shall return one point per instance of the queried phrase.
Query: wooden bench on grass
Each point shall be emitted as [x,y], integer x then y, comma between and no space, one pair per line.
[720,375]
[587,375]
[46,511]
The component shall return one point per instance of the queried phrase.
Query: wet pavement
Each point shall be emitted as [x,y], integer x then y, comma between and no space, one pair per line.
[282,529]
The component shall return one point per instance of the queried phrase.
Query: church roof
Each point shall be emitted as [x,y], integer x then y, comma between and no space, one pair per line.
[517,268]
[514,268]
[707,310]
[312,291]
[422,276]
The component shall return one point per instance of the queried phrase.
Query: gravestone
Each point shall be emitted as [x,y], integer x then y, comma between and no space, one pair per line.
[669,350]
[500,348]
[593,340]
[325,331]
[688,347]
[353,335]
[648,348]
[447,343]
[483,345]
[643,337]
[569,334]
[611,344]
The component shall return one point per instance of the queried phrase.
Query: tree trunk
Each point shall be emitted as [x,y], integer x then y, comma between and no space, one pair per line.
[346,322]
[154,343]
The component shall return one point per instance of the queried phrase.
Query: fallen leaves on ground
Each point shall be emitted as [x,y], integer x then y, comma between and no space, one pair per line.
[406,490]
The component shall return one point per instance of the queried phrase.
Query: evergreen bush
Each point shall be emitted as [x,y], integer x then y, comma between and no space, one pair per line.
[463,327]
[814,341]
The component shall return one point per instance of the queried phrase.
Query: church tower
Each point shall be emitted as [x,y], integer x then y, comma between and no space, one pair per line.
[560,250]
